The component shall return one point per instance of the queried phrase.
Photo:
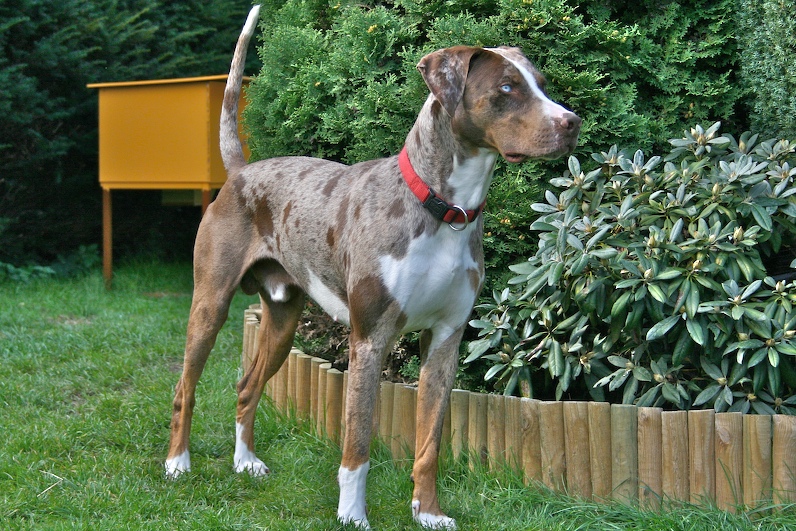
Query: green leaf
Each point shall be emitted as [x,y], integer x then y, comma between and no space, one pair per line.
[753,314]
[707,394]
[628,283]
[657,292]
[661,328]
[555,359]
[477,349]
[620,306]
[711,369]
[682,348]
[670,393]
[773,357]
[555,274]
[786,348]
[758,356]
[762,217]
[697,331]
[493,370]
[669,274]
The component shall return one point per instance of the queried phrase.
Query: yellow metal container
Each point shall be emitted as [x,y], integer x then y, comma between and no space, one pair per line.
[161,134]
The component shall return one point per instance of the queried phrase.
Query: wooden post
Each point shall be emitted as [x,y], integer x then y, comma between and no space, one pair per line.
[280,386]
[600,449]
[650,452]
[460,419]
[495,430]
[345,404]
[624,452]
[513,433]
[531,445]
[676,482]
[784,459]
[207,197]
[303,385]
[320,414]
[701,450]
[386,411]
[576,444]
[250,326]
[403,422]
[290,406]
[729,460]
[756,460]
[551,438]
[107,238]
[315,369]
[477,429]
[334,404]
[445,437]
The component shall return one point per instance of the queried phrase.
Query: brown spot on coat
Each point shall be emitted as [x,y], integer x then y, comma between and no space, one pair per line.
[331,184]
[264,220]
[369,301]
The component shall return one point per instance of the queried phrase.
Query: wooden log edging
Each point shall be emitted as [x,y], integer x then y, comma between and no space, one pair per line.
[587,449]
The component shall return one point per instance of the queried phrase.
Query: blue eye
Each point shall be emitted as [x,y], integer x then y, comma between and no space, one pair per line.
[506,88]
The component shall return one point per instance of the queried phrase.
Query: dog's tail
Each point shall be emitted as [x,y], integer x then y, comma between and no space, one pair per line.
[231,148]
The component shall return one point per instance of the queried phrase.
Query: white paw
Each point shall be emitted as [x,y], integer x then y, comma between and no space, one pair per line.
[176,466]
[244,459]
[351,508]
[431,521]
[253,466]
[361,523]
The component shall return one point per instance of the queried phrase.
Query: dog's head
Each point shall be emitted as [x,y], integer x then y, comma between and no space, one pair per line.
[496,99]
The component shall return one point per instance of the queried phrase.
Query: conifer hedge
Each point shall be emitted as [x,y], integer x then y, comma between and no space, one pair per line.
[339,80]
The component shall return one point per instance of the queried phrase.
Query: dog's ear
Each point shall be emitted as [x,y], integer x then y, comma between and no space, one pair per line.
[445,73]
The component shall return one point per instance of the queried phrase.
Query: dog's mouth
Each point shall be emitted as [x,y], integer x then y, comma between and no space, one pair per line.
[515,158]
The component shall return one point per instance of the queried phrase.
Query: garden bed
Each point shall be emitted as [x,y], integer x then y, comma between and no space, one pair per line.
[590,449]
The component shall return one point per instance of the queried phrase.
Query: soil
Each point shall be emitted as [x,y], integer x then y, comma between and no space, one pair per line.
[319,335]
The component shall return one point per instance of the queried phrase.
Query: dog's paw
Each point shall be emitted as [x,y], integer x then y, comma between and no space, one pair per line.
[431,521]
[361,523]
[177,466]
[351,508]
[254,467]
[244,458]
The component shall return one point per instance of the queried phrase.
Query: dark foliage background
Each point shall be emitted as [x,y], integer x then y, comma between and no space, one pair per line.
[338,80]
[49,195]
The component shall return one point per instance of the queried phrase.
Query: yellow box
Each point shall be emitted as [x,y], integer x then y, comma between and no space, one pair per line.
[161,134]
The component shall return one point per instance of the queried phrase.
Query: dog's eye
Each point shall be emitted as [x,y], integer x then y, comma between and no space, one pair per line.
[506,88]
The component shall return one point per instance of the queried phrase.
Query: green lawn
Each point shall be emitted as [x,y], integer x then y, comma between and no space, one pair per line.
[86,380]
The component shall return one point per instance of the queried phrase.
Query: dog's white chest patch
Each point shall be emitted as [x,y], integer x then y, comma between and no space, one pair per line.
[432,281]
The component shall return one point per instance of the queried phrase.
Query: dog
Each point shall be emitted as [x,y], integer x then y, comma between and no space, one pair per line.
[386,246]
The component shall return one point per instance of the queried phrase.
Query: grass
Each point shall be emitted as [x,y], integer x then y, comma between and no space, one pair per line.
[86,382]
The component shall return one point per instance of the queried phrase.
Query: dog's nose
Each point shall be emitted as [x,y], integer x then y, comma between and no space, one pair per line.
[570,122]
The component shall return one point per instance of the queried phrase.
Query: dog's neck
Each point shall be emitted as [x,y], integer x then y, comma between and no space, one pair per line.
[462,176]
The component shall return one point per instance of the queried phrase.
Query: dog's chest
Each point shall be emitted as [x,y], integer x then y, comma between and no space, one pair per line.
[436,280]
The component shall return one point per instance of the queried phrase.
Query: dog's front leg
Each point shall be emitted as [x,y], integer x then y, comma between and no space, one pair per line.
[365,362]
[440,358]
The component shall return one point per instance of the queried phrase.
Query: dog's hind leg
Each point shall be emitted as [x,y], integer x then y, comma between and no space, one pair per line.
[209,309]
[437,373]
[282,305]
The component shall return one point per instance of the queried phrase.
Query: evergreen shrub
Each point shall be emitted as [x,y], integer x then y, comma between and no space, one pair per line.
[767,38]
[650,283]
[339,80]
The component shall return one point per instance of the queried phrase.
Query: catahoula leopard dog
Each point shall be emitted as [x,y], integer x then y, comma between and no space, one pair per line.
[386,246]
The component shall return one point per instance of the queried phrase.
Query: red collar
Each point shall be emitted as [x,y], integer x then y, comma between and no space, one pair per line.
[439,208]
